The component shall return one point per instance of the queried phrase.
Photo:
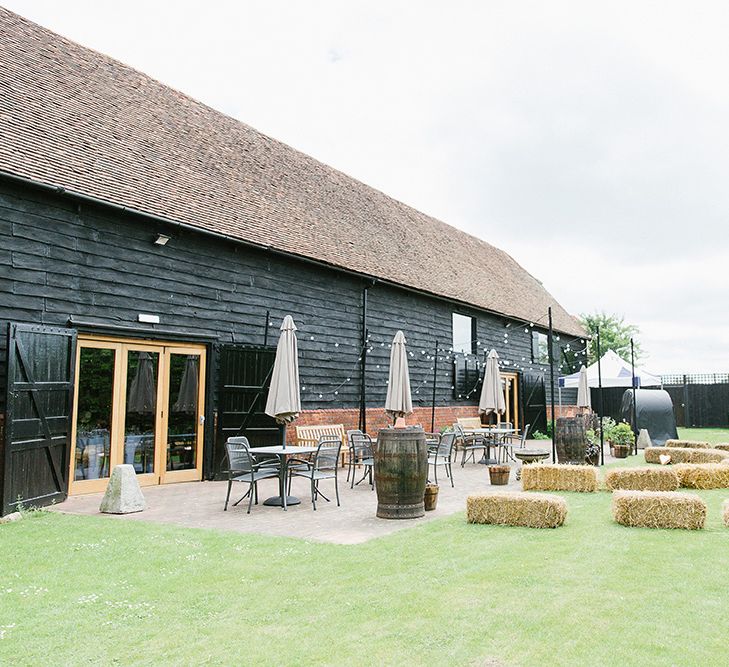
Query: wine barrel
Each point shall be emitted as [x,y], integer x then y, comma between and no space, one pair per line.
[401,471]
[570,439]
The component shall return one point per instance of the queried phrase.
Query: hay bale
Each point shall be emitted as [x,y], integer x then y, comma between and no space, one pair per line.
[688,444]
[548,477]
[685,455]
[703,475]
[722,446]
[642,479]
[659,509]
[725,512]
[517,509]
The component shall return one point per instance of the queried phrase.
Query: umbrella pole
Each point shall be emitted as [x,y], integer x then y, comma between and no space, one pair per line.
[635,407]
[599,394]
[551,383]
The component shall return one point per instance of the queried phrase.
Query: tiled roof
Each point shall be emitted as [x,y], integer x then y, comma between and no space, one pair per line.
[75,118]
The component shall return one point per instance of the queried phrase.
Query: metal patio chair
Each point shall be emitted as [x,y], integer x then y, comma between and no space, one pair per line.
[325,465]
[470,444]
[442,455]
[361,452]
[511,440]
[350,433]
[243,467]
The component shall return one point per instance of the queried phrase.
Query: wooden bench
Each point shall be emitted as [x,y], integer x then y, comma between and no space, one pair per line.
[470,422]
[309,436]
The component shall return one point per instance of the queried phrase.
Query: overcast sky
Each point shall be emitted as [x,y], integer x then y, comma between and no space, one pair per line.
[589,140]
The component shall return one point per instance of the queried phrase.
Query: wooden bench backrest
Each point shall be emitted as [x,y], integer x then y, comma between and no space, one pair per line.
[309,435]
[470,422]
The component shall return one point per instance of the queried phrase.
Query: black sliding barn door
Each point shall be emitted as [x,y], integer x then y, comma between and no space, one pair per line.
[41,366]
[534,398]
[244,376]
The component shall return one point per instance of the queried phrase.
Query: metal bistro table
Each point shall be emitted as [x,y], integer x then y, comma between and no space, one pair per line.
[283,453]
[502,432]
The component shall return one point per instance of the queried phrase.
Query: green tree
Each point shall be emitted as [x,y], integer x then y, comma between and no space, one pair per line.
[615,335]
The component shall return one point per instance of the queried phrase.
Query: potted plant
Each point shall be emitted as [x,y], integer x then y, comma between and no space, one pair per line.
[592,451]
[622,440]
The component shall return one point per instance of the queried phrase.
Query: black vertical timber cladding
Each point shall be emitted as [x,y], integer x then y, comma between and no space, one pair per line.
[61,259]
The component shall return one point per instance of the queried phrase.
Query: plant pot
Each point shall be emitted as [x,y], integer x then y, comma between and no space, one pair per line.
[621,451]
[499,475]
[430,499]
[593,460]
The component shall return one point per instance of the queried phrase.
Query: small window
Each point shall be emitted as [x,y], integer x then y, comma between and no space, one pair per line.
[540,348]
[464,333]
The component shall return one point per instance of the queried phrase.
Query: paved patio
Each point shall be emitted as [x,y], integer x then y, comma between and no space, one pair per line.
[200,505]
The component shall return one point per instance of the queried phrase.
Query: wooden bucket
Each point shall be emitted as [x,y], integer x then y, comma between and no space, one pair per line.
[499,475]
[431,497]
[401,471]
[570,439]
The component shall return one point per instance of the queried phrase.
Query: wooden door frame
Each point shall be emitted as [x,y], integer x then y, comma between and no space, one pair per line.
[507,377]
[193,474]
[121,347]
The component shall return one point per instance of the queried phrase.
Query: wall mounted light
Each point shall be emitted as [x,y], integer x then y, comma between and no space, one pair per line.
[161,239]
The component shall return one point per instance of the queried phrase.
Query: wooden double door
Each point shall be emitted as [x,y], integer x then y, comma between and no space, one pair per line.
[139,403]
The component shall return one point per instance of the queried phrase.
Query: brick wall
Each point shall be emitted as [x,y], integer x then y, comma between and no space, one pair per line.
[564,411]
[377,418]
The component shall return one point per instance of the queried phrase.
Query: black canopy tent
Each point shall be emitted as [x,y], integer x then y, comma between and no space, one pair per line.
[653,410]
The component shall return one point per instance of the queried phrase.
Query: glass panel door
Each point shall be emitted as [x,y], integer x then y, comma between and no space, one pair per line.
[183,422]
[140,404]
[141,433]
[95,415]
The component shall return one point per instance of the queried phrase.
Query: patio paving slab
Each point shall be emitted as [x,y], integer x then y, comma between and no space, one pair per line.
[200,505]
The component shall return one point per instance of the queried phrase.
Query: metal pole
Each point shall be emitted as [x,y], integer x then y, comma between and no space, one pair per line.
[551,383]
[435,382]
[265,331]
[635,407]
[599,397]
[363,366]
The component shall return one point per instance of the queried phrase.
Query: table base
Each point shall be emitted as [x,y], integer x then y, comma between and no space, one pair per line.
[277,501]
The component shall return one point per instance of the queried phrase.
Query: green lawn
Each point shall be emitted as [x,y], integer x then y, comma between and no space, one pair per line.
[97,591]
[712,435]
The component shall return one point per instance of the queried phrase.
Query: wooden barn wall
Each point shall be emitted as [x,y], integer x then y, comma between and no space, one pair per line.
[61,259]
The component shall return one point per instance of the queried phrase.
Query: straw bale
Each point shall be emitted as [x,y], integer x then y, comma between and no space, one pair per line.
[659,509]
[723,446]
[685,455]
[688,444]
[703,475]
[532,510]
[642,479]
[556,477]
[725,512]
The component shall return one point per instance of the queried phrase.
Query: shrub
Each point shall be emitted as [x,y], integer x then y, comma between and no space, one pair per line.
[659,509]
[539,477]
[689,444]
[642,479]
[703,475]
[685,455]
[538,435]
[517,509]
[622,434]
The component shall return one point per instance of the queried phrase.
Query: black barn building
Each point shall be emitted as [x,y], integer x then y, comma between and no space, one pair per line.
[150,247]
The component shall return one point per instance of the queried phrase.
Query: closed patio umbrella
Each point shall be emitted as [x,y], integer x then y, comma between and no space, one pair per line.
[142,396]
[399,402]
[187,395]
[492,394]
[284,402]
[583,390]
